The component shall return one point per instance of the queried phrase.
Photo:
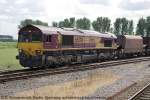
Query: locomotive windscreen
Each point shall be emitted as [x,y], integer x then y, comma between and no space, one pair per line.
[30,34]
[24,37]
[30,37]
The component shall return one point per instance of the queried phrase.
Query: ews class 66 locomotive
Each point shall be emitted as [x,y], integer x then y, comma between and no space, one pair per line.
[41,46]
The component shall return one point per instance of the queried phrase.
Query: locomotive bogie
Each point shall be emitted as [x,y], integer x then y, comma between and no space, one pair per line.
[30,61]
[59,60]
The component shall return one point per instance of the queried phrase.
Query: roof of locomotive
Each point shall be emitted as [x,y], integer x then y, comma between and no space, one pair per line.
[71,31]
[112,34]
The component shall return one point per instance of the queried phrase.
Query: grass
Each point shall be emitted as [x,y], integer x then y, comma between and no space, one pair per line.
[8,52]
[5,45]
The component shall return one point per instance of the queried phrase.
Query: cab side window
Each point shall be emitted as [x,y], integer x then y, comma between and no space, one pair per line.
[107,43]
[48,38]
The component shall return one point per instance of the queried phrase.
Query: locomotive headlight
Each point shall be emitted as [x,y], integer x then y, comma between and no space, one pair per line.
[38,51]
[20,50]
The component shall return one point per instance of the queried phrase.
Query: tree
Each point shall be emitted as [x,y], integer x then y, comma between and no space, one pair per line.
[130,27]
[66,23]
[141,27]
[148,26]
[102,24]
[124,26]
[69,23]
[117,26]
[97,24]
[111,30]
[83,23]
[38,22]
[106,24]
[61,24]
[30,21]
[25,22]
[54,24]
[72,22]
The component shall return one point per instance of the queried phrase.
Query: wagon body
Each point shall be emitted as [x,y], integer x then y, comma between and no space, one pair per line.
[146,42]
[130,43]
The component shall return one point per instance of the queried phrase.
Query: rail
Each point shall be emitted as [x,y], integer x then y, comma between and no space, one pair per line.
[28,73]
[143,94]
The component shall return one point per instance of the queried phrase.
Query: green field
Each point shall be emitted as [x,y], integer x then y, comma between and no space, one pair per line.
[6,45]
[8,52]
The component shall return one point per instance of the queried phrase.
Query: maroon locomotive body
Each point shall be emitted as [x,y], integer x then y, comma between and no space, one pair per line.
[45,46]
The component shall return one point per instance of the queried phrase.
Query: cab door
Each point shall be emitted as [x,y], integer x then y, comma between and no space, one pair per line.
[51,41]
[47,41]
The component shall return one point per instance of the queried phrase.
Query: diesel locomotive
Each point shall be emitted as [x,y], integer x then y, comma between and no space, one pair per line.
[42,46]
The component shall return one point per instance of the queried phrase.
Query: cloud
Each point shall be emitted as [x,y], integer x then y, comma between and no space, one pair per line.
[134,6]
[15,9]
[100,2]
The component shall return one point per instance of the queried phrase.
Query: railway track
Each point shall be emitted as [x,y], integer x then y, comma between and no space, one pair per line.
[143,94]
[28,73]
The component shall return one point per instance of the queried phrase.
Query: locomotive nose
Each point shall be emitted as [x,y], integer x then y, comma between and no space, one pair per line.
[31,48]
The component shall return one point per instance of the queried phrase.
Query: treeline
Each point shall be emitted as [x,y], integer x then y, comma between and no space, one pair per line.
[121,26]
[101,24]
[30,21]
[143,26]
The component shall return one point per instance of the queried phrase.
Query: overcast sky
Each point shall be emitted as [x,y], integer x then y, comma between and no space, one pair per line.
[13,11]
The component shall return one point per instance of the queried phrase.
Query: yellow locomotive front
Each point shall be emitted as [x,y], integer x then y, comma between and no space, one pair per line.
[30,46]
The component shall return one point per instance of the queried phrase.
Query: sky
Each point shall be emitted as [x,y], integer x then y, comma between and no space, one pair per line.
[13,11]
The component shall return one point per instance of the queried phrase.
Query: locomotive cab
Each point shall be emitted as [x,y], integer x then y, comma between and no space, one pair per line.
[30,46]
[30,40]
